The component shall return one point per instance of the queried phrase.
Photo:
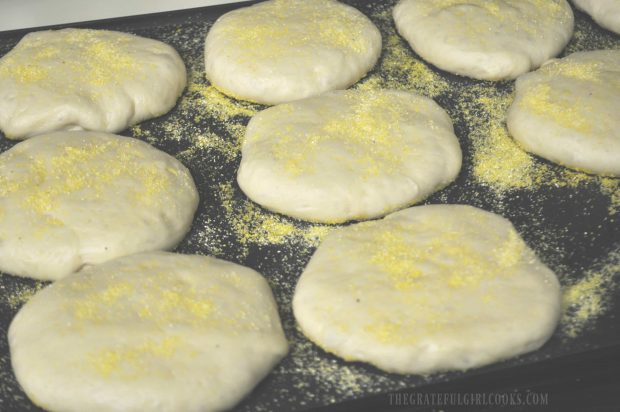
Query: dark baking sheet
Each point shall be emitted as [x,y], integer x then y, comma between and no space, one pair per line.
[569,218]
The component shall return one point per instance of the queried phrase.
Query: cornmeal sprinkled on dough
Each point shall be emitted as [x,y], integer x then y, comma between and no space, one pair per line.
[103,59]
[135,361]
[148,301]
[82,170]
[405,263]
[540,101]
[324,24]
[369,129]
[573,70]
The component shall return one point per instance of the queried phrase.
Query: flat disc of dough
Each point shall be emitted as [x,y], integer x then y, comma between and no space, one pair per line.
[604,12]
[567,111]
[485,39]
[428,288]
[79,79]
[71,198]
[282,50]
[348,155]
[147,332]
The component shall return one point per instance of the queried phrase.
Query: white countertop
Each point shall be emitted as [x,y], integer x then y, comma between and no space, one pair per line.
[20,14]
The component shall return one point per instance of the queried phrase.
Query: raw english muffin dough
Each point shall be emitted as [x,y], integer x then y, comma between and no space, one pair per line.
[348,155]
[426,289]
[148,332]
[80,79]
[282,50]
[485,39]
[567,112]
[604,12]
[72,198]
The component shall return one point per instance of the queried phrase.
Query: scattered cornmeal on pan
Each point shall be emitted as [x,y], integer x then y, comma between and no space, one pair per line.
[80,79]
[282,50]
[348,155]
[485,39]
[74,198]
[149,332]
[567,112]
[604,12]
[426,289]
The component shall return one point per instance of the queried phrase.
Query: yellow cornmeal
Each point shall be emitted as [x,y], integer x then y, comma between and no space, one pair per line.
[133,361]
[73,171]
[149,301]
[586,299]
[405,262]
[252,225]
[264,30]
[369,129]
[209,98]
[573,70]
[100,60]
[539,100]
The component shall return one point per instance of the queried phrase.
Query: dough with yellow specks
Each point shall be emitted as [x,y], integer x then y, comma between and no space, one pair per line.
[81,79]
[567,112]
[348,155]
[485,39]
[283,50]
[149,332]
[429,288]
[73,198]
[604,12]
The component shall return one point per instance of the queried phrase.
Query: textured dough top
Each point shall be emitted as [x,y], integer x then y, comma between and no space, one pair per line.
[282,50]
[348,154]
[152,331]
[567,111]
[86,79]
[485,39]
[70,198]
[425,289]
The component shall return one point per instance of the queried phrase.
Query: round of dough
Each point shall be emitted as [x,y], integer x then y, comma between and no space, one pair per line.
[74,198]
[348,155]
[282,50]
[148,332]
[604,12]
[485,39]
[79,79]
[567,112]
[425,289]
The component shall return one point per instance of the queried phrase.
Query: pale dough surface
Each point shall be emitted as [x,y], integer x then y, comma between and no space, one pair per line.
[567,112]
[80,79]
[429,288]
[72,198]
[485,39]
[348,155]
[604,12]
[148,332]
[282,50]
